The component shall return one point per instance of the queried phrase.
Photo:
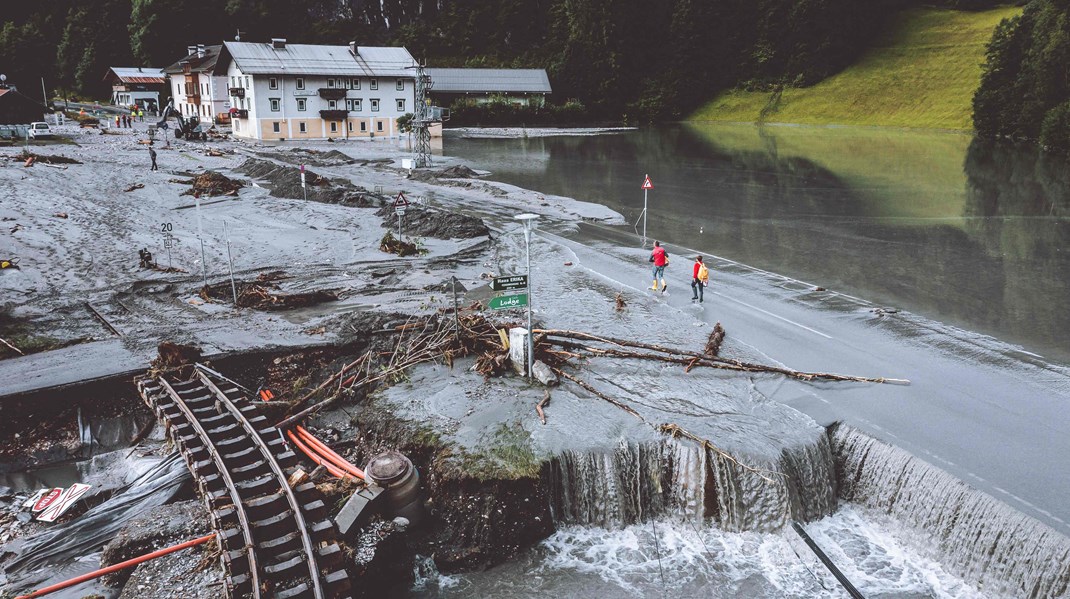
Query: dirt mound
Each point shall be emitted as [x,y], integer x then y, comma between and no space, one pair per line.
[423,222]
[260,294]
[457,172]
[213,184]
[285,182]
[311,157]
[45,158]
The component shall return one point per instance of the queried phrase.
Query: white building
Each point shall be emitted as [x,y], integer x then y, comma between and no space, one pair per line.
[196,87]
[301,91]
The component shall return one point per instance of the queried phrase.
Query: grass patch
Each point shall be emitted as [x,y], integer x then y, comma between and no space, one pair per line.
[921,74]
[507,456]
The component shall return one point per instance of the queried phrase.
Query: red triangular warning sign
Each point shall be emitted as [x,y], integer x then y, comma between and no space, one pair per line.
[401,201]
[647,183]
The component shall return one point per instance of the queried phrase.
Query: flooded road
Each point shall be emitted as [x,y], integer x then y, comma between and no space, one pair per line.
[933,223]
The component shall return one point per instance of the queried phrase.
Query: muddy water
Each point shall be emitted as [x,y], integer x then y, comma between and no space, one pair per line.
[934,223]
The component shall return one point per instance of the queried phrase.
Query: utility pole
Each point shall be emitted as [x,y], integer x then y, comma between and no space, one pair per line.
[421,119]
[529,224]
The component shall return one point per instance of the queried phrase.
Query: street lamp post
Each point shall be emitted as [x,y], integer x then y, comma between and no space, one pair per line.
[529,224]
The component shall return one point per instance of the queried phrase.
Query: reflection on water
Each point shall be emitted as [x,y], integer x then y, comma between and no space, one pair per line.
[964,232]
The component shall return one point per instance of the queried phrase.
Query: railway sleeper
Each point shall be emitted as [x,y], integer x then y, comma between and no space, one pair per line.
[242,457]
[240,440]
[264,506]
[280,545]
[300,591]
[249,471]
[314,509]
[322,531]
[240,586]
[337,582]
[257,485]
[329,556]
[226,427]
[275,526]
[291,564]
[236,561]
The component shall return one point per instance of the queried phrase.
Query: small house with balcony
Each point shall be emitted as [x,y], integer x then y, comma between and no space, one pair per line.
[140,86]
[281,91]
[196,87]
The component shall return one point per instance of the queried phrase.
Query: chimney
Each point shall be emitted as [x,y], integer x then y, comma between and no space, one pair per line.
[200,50]
[353,48]
[191,50]
[278,43]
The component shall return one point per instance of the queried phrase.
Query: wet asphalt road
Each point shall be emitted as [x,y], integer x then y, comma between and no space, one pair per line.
[989,413]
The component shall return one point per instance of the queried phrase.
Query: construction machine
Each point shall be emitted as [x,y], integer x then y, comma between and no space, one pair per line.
[186,127]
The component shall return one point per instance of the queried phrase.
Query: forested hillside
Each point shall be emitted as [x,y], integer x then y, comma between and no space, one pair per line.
[621,58]
[1025,89]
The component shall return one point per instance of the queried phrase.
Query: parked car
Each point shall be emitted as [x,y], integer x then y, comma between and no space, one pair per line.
[40,130]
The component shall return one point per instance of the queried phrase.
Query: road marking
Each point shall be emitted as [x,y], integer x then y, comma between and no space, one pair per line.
[777,316]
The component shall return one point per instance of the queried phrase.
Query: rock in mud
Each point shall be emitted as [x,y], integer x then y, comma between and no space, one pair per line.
[213,184]
[425,222]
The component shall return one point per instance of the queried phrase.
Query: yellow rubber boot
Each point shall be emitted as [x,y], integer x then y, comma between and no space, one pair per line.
[655,286]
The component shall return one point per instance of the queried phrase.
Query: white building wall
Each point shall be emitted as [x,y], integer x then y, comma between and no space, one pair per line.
[261,118]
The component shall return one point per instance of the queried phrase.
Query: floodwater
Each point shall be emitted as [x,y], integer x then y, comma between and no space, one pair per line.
[959,231]
[947,230]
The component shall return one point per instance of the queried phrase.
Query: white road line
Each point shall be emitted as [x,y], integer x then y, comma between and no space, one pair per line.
[777,316]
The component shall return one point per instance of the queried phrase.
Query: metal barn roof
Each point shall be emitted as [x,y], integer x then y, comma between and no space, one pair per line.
[459,81]
[138,74]
[309,59]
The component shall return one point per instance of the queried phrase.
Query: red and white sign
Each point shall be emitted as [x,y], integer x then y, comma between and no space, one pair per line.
[46,500]
[400,201]
[65,501]
[647,183]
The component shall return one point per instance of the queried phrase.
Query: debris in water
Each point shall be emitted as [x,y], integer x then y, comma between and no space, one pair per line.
[134,186]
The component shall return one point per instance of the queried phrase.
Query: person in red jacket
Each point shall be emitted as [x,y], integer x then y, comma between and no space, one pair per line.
[660,258]
[700,277]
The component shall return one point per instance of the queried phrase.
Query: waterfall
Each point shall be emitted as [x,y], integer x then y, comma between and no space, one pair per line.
[681,479]
[980,538]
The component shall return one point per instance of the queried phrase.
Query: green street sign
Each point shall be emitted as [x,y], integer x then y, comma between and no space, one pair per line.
[509,283]
[506,302]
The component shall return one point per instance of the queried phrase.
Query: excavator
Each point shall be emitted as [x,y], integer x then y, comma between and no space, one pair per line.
[189,128]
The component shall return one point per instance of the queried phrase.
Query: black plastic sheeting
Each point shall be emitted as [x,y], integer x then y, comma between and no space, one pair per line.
[60,553]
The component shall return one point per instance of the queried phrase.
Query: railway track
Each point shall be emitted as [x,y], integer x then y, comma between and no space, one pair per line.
[277,542]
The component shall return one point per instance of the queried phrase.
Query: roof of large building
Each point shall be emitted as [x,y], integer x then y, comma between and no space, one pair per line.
[198,64]
[136,74]
[459,81]
[308,59]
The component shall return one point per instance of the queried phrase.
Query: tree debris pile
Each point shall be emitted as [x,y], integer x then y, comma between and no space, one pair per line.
[285,182]
[426,222]
[175,355]
[261,294]
[713,346]
[213,184]
[310,157]
[43,158]
[393,245]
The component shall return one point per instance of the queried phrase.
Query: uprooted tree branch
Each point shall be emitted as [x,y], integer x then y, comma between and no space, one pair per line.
[445,337]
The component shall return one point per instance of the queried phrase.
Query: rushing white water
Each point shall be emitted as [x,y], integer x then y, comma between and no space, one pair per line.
[639,481]
[980,538]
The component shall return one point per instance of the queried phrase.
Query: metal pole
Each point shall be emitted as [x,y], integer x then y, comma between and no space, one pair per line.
[169,243]
[644,213]
[531,341]
[44,94]
[399,225]
[304,189]
[230,264]
[200,237]
[456,316]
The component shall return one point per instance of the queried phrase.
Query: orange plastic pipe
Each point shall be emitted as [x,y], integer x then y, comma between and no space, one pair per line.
[322,449]
[116,567]
[315,457]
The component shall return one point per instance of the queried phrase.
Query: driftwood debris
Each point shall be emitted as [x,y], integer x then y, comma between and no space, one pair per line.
[393,245]
[134,187]
[545,401]
[692,359]
[621,304]
[17,350]
[713,346]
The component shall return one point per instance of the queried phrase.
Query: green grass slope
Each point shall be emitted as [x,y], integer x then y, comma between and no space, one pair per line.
[921,74]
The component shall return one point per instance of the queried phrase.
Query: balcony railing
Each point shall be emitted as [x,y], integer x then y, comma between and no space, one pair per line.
[237,92]
[332,93]
[334,115]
